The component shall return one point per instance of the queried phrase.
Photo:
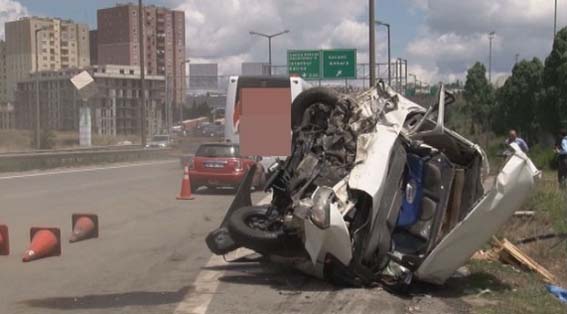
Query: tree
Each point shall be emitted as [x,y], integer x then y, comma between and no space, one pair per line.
[479,97]
[552,113]
[516,101]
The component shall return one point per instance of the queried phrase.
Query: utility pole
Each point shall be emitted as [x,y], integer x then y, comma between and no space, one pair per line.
[389,51]
[517,57]
[142,74]
[372,42]
[269,37]
[490,37]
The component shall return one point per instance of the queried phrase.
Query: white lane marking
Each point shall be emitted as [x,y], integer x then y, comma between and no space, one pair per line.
[197,301]
[39,174]
[207,281]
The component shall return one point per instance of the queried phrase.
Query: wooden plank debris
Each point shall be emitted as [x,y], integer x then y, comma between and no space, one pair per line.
[519,256]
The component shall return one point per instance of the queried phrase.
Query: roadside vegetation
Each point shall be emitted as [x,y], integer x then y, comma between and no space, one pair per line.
[533,101]
[500,286]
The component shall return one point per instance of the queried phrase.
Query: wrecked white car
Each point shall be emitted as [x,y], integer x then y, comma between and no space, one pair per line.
[376,190]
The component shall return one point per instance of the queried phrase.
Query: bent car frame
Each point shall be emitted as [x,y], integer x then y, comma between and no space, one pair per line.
[376,190]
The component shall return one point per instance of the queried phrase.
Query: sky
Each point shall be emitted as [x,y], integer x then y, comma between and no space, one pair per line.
[440,39]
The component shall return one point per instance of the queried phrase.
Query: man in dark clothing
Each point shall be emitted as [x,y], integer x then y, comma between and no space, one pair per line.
[561,149]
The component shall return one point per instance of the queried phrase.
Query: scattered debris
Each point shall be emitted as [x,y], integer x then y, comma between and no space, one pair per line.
[485,255]
[542,237]
[483,292]
[559,292]
[514,254]
[524,213]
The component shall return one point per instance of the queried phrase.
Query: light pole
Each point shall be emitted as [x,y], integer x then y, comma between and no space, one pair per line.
[269,37]
[142,74]
[372,42]
[183,101]
[399,74]
[555,21]
[389,70]
[37,109]
[490,37]
[405,75]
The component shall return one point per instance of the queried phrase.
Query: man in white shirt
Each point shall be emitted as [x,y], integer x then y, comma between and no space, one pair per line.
[561,150]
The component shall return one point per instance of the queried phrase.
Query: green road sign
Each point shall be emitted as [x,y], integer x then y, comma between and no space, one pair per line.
[339,64]
[306,63]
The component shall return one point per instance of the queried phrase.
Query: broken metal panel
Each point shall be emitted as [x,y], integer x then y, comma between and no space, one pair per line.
[512,188]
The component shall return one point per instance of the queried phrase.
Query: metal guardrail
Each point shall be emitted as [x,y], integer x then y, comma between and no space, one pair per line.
[75,149]
[78,157]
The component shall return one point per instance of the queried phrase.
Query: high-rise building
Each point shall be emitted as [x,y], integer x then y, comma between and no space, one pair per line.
[7,115]
[3,74]
[61,44]
[164,44]
[93,46]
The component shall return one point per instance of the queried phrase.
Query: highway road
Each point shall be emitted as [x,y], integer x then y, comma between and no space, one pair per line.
[151,256]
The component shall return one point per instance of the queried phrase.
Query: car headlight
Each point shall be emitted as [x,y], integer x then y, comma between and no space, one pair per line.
[147,145]
[321,211]
[162,145]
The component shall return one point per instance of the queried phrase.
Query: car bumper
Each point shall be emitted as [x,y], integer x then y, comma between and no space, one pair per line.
[216,179]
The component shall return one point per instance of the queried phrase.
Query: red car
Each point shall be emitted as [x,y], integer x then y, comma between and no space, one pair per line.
[220,165]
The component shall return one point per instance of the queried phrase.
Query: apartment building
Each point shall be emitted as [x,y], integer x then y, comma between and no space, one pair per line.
[61,44]
[3,74]
[115,106]
[117,40]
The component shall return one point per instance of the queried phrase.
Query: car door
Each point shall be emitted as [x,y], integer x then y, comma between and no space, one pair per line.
[511,189]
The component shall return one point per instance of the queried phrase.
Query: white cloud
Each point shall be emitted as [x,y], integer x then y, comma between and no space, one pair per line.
[10,10]
[455,34]
[217,30]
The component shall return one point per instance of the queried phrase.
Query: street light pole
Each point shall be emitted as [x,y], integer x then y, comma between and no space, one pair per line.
[269,37]
[405,80]
[491,37]
[372,41]
[142,74]
[399,74]
[389,47]
[555,21]
[37,108]
[182,102]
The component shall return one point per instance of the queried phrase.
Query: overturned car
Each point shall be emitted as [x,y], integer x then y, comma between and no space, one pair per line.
[376,190]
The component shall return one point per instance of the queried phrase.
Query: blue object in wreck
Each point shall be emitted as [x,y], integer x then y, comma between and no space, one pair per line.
[559,292]
[413,191]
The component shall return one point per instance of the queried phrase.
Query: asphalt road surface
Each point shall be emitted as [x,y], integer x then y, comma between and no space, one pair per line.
[151,256]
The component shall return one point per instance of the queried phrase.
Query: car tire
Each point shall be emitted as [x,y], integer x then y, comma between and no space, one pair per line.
[307,98]
[263,241]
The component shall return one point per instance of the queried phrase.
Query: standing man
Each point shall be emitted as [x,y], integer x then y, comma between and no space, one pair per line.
[513,138]
[561,149]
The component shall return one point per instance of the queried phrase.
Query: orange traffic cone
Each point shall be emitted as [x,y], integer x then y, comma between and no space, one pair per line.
[185,187]
[85,226]
[45,242]
[4,240]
